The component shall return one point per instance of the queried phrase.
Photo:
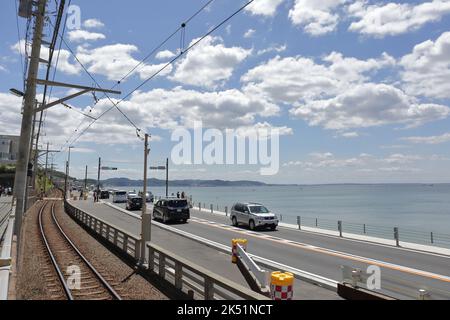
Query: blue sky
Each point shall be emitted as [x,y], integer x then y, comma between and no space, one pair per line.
[359,89]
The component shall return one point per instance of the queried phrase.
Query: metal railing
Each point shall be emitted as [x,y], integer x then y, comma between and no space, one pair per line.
[194,279]
[128,243]
[6,239]
[184,275]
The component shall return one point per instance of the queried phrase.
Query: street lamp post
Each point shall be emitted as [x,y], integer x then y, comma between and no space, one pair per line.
[146,221]
[167,174]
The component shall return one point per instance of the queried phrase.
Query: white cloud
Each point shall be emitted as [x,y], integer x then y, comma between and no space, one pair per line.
[429,139]
[209,64]
[316,17]
[66,62]
[273,48]
[249,33]
[363,162]
[426,71]
[352,134]
[119,62]
[392,18]
[294,79]
[83,35]
[3,69]
[266,8]
[368,105]
[93,24]
[165,54]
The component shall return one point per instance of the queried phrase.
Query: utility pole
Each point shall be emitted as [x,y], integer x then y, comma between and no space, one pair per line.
[20,179]
[65,180]
[146,221]
[85,179]
[67,170]
[68,160]
[98,176]
[45,173]
[167,177]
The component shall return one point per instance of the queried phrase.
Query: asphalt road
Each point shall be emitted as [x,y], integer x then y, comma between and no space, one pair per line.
[403,272]
[200,254]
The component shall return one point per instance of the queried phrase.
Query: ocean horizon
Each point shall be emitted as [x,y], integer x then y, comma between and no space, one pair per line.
[420,206]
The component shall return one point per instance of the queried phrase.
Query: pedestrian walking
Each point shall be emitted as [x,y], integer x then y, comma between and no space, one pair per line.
[183,195]
[178,194]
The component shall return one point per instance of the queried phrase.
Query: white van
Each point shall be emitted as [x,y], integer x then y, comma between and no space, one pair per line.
[119,196]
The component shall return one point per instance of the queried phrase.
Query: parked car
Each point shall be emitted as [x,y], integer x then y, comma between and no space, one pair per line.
[148,197]
[131,194]
[119,196]
[254,215]
[104,194]
[134,203]
[171,209]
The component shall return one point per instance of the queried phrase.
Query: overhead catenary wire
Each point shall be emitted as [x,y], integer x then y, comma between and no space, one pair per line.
[153,51]
[166,65]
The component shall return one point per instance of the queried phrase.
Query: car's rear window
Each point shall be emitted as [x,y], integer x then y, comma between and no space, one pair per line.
[258,209]
[177,203]
[120,193]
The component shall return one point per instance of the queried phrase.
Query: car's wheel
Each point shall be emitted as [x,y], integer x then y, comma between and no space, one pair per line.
[165,219]
[251,224]
[184,220]
[273,228]
[234,221]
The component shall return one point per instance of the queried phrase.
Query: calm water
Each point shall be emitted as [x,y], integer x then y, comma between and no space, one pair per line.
[423,207]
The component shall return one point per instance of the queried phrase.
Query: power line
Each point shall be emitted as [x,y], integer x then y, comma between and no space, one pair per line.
[181,27]
[168,64]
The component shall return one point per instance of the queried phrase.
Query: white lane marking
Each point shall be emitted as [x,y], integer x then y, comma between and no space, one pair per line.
[343,255]
[418,251]
[321,250]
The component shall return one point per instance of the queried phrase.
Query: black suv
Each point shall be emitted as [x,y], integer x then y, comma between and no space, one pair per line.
[104,194]
[134,203]
[171,209]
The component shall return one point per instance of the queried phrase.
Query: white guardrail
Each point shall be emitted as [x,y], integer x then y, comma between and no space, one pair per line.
[6,252]
[260,274]
[186,276]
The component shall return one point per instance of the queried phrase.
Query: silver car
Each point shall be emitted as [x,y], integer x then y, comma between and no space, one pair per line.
[254,215]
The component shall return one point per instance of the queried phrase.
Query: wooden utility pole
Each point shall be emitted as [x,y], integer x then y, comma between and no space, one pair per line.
[20,179]
[98,175]
[85,179]
[45,172]
[146,221]
[65,180]
[167,177]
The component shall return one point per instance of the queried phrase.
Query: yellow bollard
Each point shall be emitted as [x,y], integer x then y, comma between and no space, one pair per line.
[281,285]
[234,242]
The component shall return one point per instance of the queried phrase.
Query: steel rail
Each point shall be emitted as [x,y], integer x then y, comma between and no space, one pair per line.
[52,257]
[97,274]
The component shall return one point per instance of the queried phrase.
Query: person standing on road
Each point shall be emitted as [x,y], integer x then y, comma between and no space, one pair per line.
[183,195]
[178,194]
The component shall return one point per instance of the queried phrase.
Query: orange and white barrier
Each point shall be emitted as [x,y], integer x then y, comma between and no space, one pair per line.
[234,242]
[281,286]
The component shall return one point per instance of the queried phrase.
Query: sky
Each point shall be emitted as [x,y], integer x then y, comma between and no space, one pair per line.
[359,90]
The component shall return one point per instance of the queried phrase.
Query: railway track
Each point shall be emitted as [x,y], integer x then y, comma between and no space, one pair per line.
[76,276]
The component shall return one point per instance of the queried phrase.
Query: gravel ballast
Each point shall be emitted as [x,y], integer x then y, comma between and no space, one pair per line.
[36,279]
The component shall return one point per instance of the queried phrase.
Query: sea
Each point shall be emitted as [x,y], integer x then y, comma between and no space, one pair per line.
[424,207]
